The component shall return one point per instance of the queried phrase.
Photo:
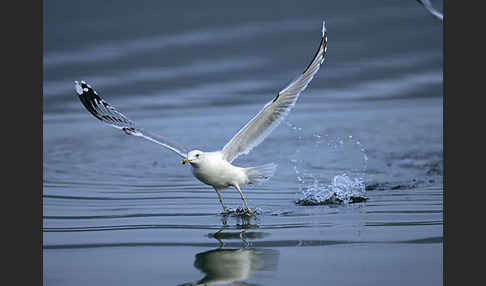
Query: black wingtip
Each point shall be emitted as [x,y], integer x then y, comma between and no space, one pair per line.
[87,95]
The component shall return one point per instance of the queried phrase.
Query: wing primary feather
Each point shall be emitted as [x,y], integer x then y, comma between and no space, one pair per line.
[260,126]
[108,114]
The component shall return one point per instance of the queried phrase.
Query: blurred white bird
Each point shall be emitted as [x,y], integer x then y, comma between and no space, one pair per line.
[431,9]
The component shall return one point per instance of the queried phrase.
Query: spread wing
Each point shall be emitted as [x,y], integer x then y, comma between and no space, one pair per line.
[255,131]
[111,116]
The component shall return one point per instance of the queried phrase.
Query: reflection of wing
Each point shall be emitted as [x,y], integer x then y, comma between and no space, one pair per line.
[255,131]
[431,9]
[111,116]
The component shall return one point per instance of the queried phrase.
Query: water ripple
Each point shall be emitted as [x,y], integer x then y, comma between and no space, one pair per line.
[273,244]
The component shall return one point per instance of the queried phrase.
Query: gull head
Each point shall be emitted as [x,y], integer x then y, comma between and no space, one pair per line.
[194,157]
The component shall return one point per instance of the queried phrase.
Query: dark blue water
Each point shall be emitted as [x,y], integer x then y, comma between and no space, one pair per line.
[120,210]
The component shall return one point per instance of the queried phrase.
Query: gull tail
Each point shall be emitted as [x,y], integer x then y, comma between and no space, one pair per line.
[261,173]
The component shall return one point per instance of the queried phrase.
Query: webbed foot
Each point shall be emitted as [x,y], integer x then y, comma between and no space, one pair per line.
[225,211]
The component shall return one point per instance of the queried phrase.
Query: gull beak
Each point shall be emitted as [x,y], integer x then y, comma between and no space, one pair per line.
[186,160]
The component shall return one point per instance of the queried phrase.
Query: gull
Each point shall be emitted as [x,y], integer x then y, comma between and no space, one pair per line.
[216,168]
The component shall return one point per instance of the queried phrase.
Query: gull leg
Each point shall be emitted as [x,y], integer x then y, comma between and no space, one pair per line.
[243,198]
[221,200]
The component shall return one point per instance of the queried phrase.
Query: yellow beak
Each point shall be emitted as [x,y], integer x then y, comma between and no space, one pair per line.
[186,160]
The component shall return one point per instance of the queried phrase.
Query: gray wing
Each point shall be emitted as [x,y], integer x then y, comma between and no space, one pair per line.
[431,9]
[255,131]
[111,116]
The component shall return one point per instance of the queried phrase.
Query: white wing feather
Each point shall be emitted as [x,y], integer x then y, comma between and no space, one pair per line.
[431,9]
[257,129]
[111,116]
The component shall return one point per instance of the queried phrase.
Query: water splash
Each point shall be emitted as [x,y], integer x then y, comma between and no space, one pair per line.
[346,152]
[342,190]
[242,212]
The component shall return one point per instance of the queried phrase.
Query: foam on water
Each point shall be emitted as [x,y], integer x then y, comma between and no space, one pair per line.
[343,189]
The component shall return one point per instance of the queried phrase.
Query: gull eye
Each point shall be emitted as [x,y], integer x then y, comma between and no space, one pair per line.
[197,155]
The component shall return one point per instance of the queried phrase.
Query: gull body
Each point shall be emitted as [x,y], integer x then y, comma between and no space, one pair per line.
[216,168]
[211,169]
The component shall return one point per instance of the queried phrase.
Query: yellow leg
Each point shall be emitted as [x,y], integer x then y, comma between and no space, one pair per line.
[220,199]
[243,198]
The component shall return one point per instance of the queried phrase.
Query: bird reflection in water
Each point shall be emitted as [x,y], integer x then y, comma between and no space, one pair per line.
[232,266]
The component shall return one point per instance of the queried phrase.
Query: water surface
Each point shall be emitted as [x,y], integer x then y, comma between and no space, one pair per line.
[120,210]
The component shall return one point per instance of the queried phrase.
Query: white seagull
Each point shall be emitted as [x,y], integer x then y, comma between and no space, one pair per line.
[215,168]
